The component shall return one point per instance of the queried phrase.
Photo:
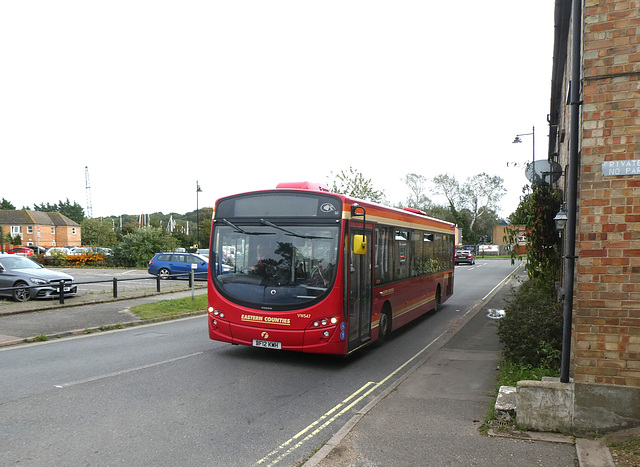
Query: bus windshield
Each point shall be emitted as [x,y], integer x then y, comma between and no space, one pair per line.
[273,264]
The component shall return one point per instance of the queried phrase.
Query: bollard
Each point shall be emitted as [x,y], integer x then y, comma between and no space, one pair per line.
[158,284]
[61,291]
[115,287]
[192,281]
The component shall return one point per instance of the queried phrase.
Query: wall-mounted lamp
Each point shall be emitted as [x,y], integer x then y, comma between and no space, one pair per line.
[560,219]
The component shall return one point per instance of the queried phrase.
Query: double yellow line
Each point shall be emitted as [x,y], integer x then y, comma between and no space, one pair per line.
[332,415]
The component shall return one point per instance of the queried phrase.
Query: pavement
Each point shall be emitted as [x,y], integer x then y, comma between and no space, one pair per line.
[82,314]
[431,416]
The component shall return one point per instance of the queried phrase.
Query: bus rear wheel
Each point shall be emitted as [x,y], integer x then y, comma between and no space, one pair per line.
[438,302]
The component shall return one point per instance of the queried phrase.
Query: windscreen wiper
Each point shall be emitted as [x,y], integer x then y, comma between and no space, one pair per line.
[289,232]
[233,226]
[239,230]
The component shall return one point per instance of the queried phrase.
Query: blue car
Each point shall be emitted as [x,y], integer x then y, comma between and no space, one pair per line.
[172,265]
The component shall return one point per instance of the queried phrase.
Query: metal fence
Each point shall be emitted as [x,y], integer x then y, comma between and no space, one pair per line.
[192,276]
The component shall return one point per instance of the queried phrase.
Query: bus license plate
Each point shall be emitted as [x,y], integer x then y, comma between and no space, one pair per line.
[267,344]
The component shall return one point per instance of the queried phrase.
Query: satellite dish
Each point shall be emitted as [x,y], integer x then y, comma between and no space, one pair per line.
[543,172]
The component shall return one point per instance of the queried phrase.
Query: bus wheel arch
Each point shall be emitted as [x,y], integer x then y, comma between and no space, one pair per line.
[384,324]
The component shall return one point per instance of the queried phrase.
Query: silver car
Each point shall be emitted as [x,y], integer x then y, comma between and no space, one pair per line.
[27,279]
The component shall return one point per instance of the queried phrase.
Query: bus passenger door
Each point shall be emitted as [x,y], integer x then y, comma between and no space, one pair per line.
[360,290]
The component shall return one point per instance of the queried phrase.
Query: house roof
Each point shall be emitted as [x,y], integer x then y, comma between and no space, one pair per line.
[27,217]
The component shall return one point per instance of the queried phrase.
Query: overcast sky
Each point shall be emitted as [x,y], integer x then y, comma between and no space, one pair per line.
[153,96]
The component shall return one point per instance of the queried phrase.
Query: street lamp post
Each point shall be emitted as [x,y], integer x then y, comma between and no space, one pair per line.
[517,139]
[198,191]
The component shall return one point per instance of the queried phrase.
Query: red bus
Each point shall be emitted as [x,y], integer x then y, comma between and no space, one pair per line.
[300,268]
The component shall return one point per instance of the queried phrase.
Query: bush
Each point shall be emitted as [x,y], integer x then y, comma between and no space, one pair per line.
[86,259]
[138,247]
[531,330]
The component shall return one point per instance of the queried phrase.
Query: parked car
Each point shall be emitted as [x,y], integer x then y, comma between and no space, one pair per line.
[21,251]
[464,256]
[57,250]
[31,279]
[90,249]
[38,250]
[170,265]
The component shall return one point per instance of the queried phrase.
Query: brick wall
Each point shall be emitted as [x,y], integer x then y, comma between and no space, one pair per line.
[607,291]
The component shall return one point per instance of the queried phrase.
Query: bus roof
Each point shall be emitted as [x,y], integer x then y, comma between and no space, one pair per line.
[375,212]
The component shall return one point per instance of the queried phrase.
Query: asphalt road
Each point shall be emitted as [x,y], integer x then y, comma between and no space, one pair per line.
[165,394]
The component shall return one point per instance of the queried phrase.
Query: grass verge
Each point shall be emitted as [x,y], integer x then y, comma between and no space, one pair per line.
[170,308]
[625,453]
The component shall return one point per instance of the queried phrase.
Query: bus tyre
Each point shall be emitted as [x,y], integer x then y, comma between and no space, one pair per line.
[384,327]
[438,302]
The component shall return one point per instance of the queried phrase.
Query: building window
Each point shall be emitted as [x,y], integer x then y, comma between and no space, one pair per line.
[16,230]
[53,230]
[29,229]
[73,230]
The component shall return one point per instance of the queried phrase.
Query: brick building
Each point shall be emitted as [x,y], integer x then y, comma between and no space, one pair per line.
[37,228]
[605,156]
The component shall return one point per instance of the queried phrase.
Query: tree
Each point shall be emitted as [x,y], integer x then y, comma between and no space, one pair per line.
[448,186]
[538,209]
[74,211]
[98,232]
[15,241]
[6,205]
[519,216]
[481,193]
[354,184]
[418,199]
[138,247]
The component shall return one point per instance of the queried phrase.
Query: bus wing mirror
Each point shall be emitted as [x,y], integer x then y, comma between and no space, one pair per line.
[359,244]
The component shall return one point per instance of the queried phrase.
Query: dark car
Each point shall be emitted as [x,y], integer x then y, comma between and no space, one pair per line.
[464,256]
[31,279]
[168,265]
[38,250]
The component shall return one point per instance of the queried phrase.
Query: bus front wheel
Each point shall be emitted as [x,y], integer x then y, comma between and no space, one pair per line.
[384,326]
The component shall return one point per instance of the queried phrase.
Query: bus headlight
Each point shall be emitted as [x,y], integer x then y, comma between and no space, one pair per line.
[324,322]
[215,312]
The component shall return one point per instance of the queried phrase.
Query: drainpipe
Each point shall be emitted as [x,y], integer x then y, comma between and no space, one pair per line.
[572,188]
